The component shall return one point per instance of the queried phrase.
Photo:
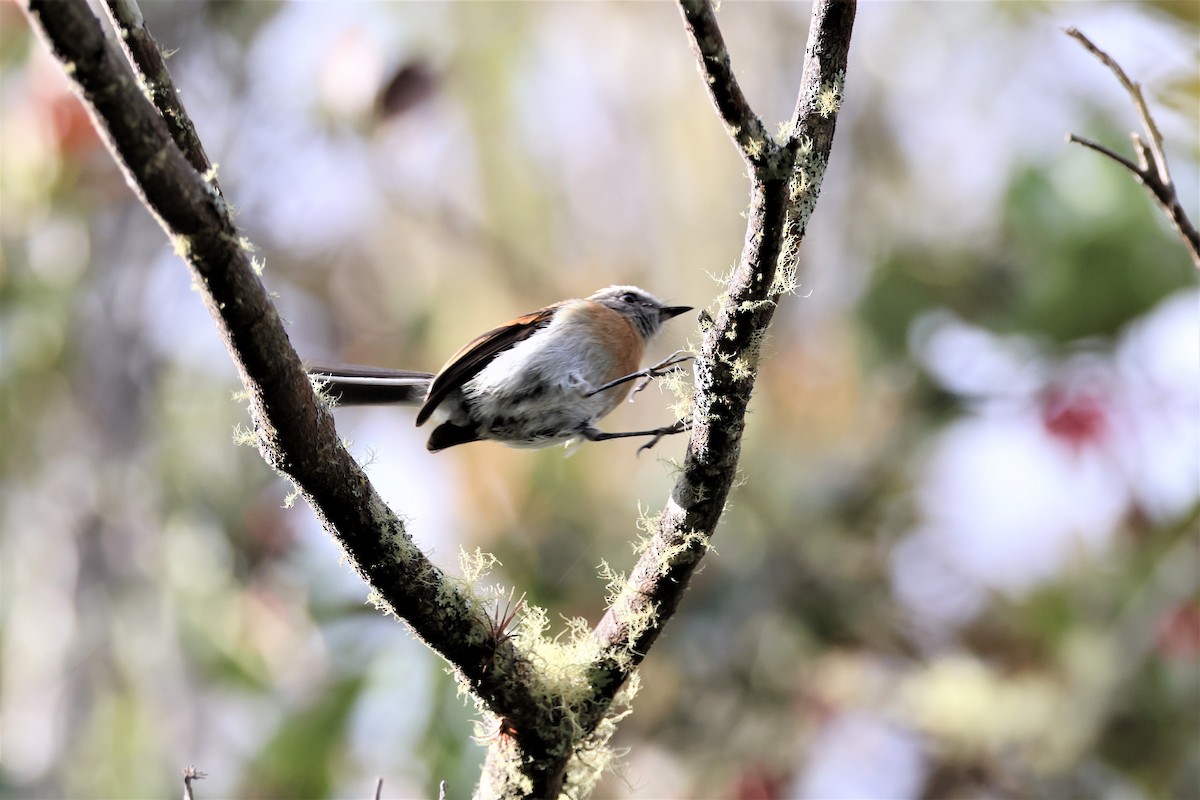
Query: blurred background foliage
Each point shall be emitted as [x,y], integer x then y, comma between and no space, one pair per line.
[963,560]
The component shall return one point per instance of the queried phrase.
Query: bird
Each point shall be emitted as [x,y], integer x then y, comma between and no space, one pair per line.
[543,378]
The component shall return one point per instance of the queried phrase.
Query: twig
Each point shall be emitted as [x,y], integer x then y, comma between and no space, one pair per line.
[147,60]
[379,789]
[1135,93]
[1099,148]
[1151,168]
[712,58]
[191,774]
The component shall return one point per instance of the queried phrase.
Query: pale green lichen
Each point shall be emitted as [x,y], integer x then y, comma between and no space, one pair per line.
[320,387]
[593,756]
[755,305]
[688,548]
[393,534]
[722,279]
[699,493]
[637,619]
[647,523]
[147,88]
[741,369]
[806,176]
[182,246]
[786,279]
[292,496]
[623,600]
[614,581]
[803,189]
[477,565]
[504,778]
[381,605]
[679,385]
[244,436]
[755,147]
[563,667]
[829,98]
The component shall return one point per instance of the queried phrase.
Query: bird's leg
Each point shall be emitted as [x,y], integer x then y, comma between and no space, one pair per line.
[595,435]
[663,367]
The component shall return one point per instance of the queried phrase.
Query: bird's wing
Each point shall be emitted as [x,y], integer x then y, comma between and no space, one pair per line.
[478,353]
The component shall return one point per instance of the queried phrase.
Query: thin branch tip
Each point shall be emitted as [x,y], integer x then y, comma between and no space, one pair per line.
[1151,168]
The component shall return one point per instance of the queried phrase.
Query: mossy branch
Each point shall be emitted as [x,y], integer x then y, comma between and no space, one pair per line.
[147,60]
[293,428]
[712,59]
[545,716]
[784,183]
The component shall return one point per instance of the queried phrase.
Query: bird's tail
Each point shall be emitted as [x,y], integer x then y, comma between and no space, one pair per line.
[351,385]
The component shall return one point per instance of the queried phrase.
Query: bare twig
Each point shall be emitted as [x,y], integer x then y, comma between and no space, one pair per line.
[1113,154]
[1135,93]
[191,774]
[1151,168]
[378,789]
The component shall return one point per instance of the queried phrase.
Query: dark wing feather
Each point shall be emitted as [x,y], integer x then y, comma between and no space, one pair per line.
[478,353]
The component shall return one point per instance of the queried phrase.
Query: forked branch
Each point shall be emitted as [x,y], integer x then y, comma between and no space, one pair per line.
[163,162]
[783,190]
[1151,168]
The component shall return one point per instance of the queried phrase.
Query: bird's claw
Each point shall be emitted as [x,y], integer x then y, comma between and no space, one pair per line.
[667,365]
[678,427]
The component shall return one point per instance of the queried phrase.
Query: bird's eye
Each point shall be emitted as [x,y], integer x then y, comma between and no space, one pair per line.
[629,297]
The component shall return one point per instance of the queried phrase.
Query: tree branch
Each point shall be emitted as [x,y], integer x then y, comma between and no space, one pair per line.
[783,194]
[294,429]
[144,54]
[191,774]
[1099,148]
[712,58]
[1151,170]
[539,729]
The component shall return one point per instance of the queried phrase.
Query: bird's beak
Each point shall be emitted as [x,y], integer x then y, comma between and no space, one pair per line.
[666,312]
